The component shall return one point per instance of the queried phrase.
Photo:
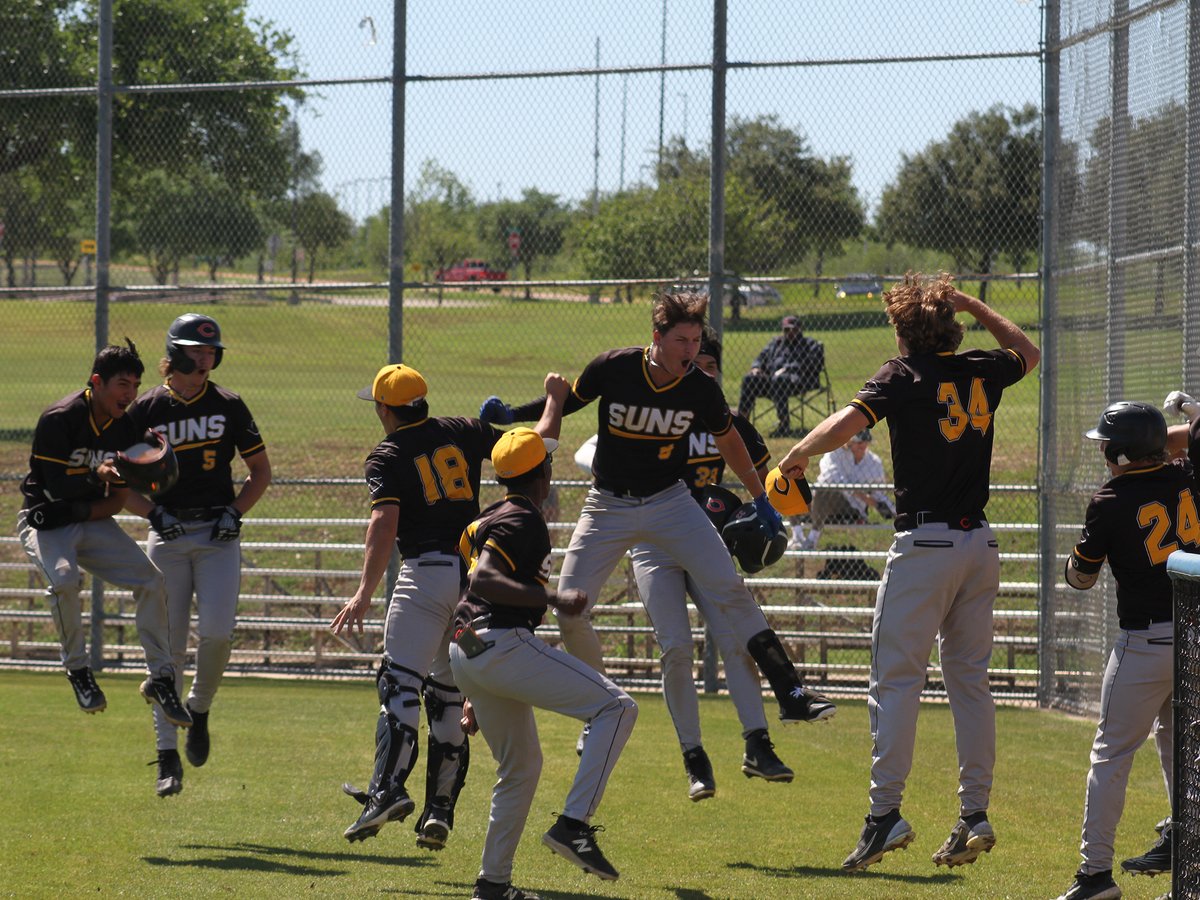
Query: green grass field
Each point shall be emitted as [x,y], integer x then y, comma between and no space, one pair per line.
[264,817]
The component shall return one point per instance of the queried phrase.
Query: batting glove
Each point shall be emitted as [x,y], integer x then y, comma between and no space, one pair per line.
[165,525]
[228,526]
[495,411]
[1181,404]
[768,517]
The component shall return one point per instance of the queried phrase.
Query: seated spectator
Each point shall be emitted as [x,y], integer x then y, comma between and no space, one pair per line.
[790,364]
[853,463]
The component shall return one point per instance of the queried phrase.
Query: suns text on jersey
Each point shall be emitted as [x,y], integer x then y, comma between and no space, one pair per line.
[650,420]
[85,458]
[200,428]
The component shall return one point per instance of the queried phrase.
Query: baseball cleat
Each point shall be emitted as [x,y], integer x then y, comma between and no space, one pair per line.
[197,745]
[1099,886]
[576,842]
[760,761]
[170,773]
[436,828]
[965,844]
[385,806]
[87,693]
[879,836]
[355,793]
[492,890]
[701,783]
[803,705]
[161,690]
[1156,860]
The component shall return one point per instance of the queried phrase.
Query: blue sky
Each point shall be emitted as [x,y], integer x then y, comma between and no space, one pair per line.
[502,136]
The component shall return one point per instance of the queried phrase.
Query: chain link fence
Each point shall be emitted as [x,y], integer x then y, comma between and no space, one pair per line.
[490,191]
[1120,316]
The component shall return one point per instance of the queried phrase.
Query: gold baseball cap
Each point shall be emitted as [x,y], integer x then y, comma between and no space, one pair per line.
[396,385]
[787,495]
[520,451]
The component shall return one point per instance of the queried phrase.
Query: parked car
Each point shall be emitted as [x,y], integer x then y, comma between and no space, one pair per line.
[750,293]
[472,270]
[859,284]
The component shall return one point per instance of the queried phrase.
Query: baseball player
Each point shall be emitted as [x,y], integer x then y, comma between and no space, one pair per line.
[649,400]
[65,524]
[943,570]
[423,480]
[506,670]
[1136,520]
[195,526]
[664,586]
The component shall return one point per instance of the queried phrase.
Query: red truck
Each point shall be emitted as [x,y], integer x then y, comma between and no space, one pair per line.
[472,270]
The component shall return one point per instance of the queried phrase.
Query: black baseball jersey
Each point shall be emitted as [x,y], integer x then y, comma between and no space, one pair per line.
[706,465]
[431,470]
[204,431]
[1194,447]
[68,445]
[515,531]
[642,437]
[1136,521]
[940,409]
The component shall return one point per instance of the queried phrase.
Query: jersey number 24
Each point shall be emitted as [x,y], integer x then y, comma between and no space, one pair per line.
[1156,517]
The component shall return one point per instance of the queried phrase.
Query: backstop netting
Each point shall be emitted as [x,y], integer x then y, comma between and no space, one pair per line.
[1120,265]
[1185,576]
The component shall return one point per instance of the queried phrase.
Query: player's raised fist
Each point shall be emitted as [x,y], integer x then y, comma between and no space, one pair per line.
[557,386]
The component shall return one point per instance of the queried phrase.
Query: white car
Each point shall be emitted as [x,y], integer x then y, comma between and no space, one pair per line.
[752,293]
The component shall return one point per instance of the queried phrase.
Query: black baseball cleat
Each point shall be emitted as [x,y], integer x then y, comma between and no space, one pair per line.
[576,842]
[965,844]
[1156,860]
[161,690]
[1098,886]
[803,705]
[760,761]
[492,890]
[435,830]
[382,807]
[701,783]
[879,836]
[87,693]
[197,745]
[170,773]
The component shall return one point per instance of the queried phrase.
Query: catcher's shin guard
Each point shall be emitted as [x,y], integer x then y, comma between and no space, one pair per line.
[773,662]
[448,752]
[396,730]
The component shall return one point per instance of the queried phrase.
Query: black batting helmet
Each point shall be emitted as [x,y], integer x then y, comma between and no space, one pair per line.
[1133,430]
[748,542]
[192,330]
[151,466]
[720,504]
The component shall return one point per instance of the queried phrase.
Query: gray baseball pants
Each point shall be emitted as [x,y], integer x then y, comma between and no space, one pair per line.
[196,565]
[504,684]
[674,523]
[1137,690]
[102,548]
[938,582]
[664,586]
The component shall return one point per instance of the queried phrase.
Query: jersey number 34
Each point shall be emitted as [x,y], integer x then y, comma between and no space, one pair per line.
[977,414]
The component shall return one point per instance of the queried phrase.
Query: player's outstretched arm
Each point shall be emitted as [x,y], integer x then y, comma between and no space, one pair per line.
[381,534]
[830,434]
[1007,334]
[557,391]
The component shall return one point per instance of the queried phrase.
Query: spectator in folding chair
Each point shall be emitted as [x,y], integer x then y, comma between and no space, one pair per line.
[852,463]
[790,364]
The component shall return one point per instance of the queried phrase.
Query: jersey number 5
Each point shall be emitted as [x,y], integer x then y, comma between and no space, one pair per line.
[451,481]
[1155,517]
[978,413]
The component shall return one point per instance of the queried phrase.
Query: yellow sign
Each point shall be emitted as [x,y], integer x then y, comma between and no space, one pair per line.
[87,248]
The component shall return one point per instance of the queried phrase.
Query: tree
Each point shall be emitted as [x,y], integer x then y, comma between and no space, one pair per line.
[538,220]
[320,225]
[437,219]
[974,195]
[151,219]
[225,224]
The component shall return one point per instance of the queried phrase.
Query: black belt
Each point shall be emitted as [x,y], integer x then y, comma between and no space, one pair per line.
[968,522]
[1143,623]
[197,513]
[629,490]
[408,551]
